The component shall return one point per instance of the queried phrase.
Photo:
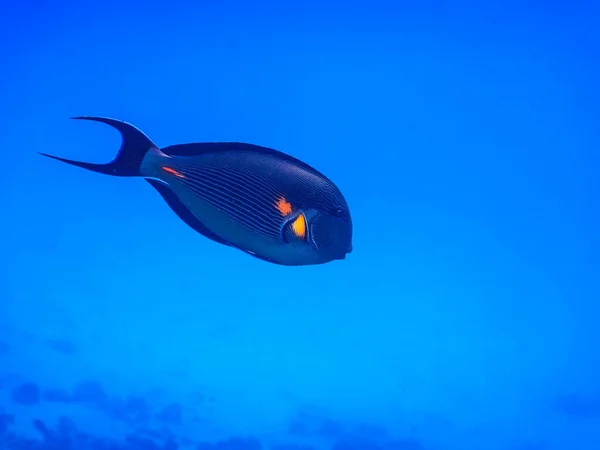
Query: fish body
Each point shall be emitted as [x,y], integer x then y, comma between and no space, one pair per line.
[253,198]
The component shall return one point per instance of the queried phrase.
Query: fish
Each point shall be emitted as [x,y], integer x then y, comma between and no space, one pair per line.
[256,199]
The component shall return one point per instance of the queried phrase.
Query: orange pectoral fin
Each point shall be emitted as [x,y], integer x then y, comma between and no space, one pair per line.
[299,227]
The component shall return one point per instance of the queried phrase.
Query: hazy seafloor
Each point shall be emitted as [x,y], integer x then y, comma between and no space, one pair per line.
[465,138]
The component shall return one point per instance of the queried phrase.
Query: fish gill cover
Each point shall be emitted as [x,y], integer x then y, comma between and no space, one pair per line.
[464,140]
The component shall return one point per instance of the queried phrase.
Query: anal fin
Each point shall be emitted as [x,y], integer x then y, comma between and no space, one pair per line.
[183,212]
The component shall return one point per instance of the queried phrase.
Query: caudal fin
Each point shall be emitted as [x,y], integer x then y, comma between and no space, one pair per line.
[134,147]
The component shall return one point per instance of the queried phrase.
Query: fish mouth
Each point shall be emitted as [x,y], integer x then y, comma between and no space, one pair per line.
[343,255]
[346,252]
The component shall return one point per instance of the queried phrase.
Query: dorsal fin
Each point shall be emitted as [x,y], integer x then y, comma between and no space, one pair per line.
[199,148]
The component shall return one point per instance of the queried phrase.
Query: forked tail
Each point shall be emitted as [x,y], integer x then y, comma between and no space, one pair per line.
[134,147]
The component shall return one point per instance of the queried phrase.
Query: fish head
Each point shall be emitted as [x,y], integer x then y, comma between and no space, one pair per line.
[324,234]
[330,232]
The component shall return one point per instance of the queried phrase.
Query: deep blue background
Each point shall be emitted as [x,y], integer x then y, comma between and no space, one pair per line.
[465,138]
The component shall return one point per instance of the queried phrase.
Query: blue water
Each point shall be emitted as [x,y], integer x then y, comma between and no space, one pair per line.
[465,139]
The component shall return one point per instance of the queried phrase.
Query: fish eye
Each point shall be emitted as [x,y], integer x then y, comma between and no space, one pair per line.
[340,212]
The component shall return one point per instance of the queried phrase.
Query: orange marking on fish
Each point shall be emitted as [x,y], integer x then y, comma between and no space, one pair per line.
[299,226]
[173,172]
[283,206]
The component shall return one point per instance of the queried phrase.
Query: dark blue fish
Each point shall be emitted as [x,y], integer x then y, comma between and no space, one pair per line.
[259,200]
